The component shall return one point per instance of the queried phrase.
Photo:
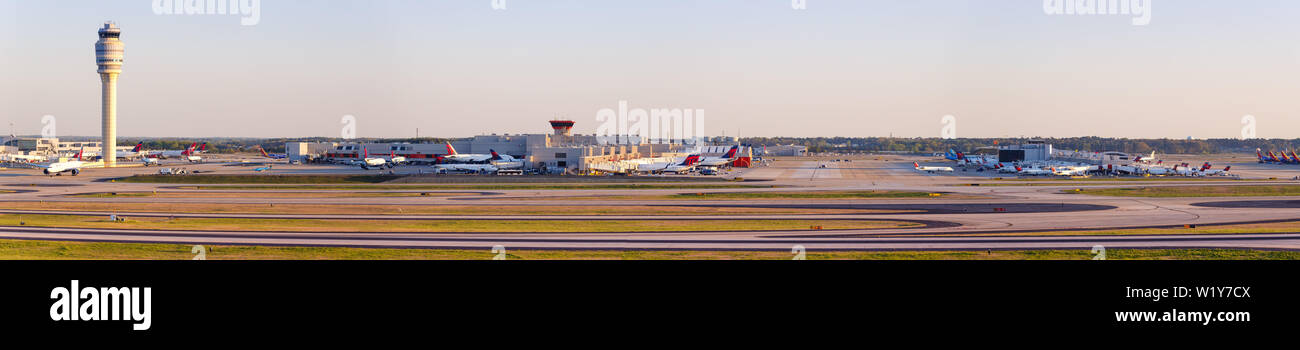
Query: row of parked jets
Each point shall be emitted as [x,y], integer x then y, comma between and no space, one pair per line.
[1140,166]
[690,163]
[78,161]
[456,162]
[1277,158]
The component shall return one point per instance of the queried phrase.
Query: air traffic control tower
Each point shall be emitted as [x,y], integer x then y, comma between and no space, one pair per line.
[108,55]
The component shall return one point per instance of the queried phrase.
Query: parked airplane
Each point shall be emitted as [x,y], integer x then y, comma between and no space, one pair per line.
[453,156]
[73,166]
[1270,157]
[368,162]
[954,155]
[505,161]
[261,169]
[1071,170]
[1287,159]
[193,157]
[138,151]
[394,159]
[171,153]
[1212,172]
[726,159]
[931,169]
[1032,171]
[271,155]
[685,166]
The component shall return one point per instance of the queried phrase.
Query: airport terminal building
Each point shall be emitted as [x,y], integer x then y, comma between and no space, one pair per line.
[558,152]
[52,146]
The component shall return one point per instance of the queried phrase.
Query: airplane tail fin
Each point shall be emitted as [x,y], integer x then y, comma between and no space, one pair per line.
[450,150]
[79,152]
[690,160]
[916,165]
[495,156]
[732,152]
[138,146]
[204,147]
[259,148]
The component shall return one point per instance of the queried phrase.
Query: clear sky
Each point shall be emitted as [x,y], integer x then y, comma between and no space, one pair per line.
[837,68]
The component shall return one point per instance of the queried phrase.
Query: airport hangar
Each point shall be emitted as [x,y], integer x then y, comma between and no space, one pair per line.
[557,152]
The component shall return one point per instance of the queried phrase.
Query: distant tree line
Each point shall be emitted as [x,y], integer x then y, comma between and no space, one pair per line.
[1087,144]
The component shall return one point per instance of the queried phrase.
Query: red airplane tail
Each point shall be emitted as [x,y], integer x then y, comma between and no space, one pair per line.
[916,165]
[259,148]
[450,150]
[690,160]
[138,146]
[732,152]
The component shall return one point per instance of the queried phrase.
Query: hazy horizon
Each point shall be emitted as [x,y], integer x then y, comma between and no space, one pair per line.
[838,68]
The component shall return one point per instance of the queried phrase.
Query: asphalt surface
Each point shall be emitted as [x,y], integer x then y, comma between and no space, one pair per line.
[1012,211]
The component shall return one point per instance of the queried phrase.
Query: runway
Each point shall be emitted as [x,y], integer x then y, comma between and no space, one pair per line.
[656,241]
[1012,211]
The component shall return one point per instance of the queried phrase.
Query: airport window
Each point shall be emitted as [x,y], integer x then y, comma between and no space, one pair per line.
[561,155]
[562,164]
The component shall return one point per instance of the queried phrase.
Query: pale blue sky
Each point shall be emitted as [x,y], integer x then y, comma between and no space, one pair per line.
[838,68]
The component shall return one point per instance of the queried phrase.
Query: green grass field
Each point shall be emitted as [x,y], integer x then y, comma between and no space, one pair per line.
[1193,191]
[313,225]
[52,250]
